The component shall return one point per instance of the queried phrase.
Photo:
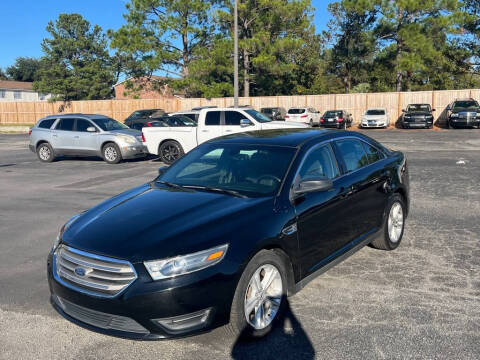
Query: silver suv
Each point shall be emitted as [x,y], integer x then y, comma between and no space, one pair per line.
[85,135]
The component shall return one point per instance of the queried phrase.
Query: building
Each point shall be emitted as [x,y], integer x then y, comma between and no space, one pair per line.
[155,87]
[20,91]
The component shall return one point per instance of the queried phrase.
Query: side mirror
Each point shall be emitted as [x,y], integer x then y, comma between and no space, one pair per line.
[314,184]
[245,123]
[162,170]
[91,129]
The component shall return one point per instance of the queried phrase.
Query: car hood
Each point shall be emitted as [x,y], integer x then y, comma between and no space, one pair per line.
[374,117]
[152,222]
[282,125]
[131,132]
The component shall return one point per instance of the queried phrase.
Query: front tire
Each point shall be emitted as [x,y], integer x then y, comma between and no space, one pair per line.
[111,153]
[259,300]
[393,226]
[45,153]
[170,151]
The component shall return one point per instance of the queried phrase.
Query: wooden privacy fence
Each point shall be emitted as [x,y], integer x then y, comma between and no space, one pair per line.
[29,112]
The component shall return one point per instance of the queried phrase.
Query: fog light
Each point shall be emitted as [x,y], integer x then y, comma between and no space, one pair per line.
[185,323]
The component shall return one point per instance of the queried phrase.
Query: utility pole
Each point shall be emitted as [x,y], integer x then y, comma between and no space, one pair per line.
[235,55]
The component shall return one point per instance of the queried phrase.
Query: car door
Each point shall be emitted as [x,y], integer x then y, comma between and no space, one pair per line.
[363,186]
[212,127]
[320,230]
[86,141]
[63,138]
[231,123]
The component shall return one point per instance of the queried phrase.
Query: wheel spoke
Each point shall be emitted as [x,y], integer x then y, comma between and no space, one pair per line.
[270,275]
[256,282]
[258,319]
[250,305]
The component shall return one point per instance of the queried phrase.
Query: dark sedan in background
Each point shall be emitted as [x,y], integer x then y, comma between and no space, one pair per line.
[163,121]
[417,116]
[463,113]
[142,117]
[225,233]
[339,119]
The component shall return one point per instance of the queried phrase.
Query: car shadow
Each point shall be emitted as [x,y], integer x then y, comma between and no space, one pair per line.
[288,340]
[441,120]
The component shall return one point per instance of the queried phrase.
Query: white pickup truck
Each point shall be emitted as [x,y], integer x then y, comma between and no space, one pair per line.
[170,143]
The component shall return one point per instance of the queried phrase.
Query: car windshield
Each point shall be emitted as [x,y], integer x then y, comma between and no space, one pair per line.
[419,107]
[375,112]
[249,170]
[333,113]
[108,124]
[466,105]
[296,111]
[258,116]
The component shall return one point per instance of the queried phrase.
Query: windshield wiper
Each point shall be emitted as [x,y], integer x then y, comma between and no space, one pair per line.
[169,184]
[213,189]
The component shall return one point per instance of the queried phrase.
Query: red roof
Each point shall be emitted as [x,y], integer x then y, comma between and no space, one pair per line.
[16,85]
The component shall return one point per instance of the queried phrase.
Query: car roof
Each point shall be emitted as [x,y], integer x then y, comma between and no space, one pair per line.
[283,137]
[88,116]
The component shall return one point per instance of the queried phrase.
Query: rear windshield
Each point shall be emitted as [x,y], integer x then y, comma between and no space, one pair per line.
[333,113]
[465,104]
[296,111]
[418,107]
[375,112]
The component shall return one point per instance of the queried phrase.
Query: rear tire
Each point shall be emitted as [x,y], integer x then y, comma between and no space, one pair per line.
[170,151]
[45,153]
[111,153]
[394,225]
[271,300]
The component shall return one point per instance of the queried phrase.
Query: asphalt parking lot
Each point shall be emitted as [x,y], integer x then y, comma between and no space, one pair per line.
[420,301]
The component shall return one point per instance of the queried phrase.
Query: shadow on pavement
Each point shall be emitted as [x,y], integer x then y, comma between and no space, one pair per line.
[287,340]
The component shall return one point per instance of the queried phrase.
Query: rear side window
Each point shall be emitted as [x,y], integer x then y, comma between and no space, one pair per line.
[373,154]
[212,118]
[46,124]
[296,111]
[320,163]
[353,154]
[65,124]
[233,117]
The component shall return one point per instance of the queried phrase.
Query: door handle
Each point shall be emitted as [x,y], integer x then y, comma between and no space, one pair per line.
[55,135]
[204,130]
[228,130]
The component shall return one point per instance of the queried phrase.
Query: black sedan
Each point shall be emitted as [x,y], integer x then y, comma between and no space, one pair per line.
[339,119]
[418,116]
[224,234]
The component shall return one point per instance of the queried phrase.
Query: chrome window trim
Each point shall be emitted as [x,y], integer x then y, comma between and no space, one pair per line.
[93,256]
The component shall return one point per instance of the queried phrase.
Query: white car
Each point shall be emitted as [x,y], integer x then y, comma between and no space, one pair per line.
[170,143]
[376,118]
[304,115]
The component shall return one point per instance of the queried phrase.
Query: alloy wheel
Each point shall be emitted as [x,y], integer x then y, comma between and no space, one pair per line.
[171,153]
[110,153]
[263,296]
[395,222]
[44,153]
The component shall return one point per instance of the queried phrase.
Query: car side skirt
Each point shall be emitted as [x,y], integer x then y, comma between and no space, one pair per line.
[354,246]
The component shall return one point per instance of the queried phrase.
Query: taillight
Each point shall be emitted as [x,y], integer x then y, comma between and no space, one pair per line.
[303,116]
[143,138]
[287,117]
[322,120]
[29,132]
[149,124]
[340,119]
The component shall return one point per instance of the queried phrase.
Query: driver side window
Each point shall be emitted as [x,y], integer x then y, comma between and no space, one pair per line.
[320,163]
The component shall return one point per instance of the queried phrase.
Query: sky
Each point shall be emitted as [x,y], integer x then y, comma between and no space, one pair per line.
[23,22]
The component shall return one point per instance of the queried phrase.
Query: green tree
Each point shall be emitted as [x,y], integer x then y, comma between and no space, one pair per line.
[271,34]
[354,44]
[24,69]
[3,76]
[164,34]
[76,64]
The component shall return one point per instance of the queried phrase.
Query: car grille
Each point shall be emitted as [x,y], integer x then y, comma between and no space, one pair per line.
[467,115]
[92,274]
[100,319]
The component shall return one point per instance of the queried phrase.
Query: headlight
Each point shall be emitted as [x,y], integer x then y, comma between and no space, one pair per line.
[128,139]
[454,115]
[62,230]
[180,265]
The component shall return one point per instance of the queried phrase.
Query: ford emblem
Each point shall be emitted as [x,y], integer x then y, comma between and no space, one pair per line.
[80,271]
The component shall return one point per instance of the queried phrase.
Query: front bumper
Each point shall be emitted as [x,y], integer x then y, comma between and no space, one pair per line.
[455,121]
[133,151]
[417,124]
[377,124]
[150,310]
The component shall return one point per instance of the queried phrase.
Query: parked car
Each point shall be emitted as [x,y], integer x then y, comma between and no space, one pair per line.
[376,118]
[226,233]
[418,116]
[339,119]
[274,113]
[164,121]
[143,116]
[85,135]
[193,114]
[463,112]
[171,143]
[306,115]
